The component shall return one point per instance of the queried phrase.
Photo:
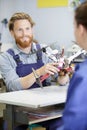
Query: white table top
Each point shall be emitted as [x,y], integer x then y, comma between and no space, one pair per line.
[0,76]
[35,98]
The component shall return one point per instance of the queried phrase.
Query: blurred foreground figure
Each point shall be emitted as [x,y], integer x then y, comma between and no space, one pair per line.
[75,112]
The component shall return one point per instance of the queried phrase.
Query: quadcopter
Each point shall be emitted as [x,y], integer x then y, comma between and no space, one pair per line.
[64,64]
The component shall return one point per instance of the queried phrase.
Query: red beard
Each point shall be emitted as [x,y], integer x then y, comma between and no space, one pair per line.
[25,43]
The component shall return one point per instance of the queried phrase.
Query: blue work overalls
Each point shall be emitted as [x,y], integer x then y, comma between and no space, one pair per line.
[25,69]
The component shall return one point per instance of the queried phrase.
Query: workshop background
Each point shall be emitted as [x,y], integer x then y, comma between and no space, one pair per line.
[53,24]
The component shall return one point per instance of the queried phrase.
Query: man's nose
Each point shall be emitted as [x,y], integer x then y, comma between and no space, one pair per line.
[24,32]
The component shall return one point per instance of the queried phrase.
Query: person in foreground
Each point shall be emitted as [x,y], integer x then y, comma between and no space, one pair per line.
[75,112]
[16,63]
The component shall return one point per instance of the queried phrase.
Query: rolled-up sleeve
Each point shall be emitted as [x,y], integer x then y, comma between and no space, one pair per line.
[8,72]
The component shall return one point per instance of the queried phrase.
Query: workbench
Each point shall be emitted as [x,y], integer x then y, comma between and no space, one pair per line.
[19,104]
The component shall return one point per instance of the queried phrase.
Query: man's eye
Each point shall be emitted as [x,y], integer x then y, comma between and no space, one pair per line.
[19,29]
[27,28]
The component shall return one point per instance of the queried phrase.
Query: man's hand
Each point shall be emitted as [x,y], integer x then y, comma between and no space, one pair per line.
[50,68]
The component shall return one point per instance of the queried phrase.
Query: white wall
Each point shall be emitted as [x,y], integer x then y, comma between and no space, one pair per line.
[52,24]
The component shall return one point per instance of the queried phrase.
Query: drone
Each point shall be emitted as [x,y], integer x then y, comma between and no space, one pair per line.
[64,64]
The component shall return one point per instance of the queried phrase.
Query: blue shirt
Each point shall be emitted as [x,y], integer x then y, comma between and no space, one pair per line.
[75,112]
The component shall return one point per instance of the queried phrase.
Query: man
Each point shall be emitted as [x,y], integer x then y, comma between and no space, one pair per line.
[75,112]
[17,63]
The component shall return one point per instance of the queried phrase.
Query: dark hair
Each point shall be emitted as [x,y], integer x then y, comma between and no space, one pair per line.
[81,14]
[19,16]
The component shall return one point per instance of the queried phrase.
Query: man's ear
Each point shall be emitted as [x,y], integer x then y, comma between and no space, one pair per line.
[12,33]
[81,29]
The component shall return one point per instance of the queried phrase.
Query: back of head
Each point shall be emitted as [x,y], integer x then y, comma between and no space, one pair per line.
[81,14]
[19,16]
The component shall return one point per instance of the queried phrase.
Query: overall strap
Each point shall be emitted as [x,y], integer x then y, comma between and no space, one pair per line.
[39,52]
[15,57]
